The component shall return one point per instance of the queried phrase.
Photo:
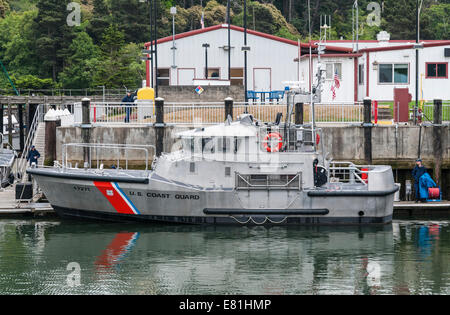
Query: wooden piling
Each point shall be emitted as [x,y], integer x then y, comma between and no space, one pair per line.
[228,108]
[159,126]
[367,125]
[437,141]
[86,128]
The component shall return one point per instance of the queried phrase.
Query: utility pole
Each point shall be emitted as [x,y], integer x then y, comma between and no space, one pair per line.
[229,40]
[155,12]
[245,49]
[417,63]
[206,46]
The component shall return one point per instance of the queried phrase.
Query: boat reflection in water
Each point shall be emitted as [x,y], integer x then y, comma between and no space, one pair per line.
[407,257]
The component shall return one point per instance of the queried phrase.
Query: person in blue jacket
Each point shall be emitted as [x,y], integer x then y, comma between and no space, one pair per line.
[128,99]
[417,172]
[33,155]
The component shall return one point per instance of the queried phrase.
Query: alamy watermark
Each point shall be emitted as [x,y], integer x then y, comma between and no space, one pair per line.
[374,18]
[74,277]
[74,17]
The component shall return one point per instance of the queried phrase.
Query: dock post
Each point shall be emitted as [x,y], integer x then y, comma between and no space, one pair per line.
[298,113]
[86,128]
[228,108]
[21,135]
[159,126]
[10,124]
[1,122]
[51,123]
[437,140]
[367,125]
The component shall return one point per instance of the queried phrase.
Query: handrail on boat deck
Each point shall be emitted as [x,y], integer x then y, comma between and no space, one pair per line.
[354,171]
[96,146]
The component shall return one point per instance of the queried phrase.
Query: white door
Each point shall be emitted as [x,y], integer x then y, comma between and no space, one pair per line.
[186,76]
[262,79]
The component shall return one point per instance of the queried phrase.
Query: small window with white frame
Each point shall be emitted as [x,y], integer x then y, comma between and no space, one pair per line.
[393,73]
[332,69]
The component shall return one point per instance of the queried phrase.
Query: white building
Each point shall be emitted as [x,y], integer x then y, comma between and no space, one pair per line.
[270,59]
[381,65]
[372,70]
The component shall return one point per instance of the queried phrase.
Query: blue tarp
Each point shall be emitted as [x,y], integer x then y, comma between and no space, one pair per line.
[425,182]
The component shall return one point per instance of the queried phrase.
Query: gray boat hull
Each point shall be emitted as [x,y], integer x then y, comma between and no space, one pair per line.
[149,199]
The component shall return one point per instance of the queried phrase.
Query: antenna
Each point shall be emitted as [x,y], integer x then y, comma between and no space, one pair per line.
[355,26]
[324,26]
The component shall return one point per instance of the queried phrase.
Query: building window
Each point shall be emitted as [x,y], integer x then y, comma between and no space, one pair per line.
[438,70]
[332,69]
[393,73]
[361,74]
[237,76]
[163,76]
[213,73]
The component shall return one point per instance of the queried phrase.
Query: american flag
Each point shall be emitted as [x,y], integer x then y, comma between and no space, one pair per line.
[337,84]
[333,90]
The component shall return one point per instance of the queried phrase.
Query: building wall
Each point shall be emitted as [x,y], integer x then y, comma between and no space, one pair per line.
[274,56]
[346,92]
[435,88]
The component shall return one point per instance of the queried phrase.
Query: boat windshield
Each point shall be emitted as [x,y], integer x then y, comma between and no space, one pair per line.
[211,144]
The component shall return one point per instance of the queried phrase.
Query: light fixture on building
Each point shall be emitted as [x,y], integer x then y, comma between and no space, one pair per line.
[225,47]
[375,65]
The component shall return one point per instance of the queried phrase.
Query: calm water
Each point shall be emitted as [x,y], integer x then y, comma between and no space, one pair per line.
[407,257]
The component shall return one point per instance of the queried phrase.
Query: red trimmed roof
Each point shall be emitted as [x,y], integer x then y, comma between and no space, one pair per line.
[252,32]
[410,46]
[330,56]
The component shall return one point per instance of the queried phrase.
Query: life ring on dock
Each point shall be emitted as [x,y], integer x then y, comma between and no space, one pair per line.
[269,138]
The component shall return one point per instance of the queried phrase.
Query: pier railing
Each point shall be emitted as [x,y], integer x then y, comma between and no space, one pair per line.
[213,112]
[428,108]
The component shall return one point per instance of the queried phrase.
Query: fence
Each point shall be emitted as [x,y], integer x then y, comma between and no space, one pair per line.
[213,112]
[428,111]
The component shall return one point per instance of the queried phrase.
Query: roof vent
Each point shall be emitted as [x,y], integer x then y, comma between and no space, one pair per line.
[383,36]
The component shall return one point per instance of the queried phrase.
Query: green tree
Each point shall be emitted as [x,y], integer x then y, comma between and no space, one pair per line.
[120,64]
[53,36]
[132,18]
[17,43]
[101,19]
[435,22]
[4,7]
[81,64]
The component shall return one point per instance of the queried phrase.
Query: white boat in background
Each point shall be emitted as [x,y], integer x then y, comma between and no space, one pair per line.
[15,125]
[7,157]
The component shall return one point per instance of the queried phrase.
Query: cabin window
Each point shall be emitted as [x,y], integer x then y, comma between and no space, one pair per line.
[393,73]
[437,70]
[192,167]
[227,171]
[223,144]
[332,69]
[207,145]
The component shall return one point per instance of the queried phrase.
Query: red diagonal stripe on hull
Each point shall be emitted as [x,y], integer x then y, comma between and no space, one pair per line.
[114,199]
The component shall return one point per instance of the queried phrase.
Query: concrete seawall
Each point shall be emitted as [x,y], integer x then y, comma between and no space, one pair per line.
[395,146]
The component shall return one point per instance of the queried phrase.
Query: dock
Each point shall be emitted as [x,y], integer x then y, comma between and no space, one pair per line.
[9,206]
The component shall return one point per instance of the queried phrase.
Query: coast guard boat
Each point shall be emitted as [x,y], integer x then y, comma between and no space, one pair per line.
[237,172]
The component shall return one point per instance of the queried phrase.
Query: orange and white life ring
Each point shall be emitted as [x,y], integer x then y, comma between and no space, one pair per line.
[270,138]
